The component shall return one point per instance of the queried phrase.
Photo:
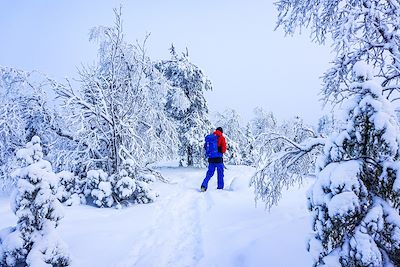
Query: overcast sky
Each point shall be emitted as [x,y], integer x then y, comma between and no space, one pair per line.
[234,42]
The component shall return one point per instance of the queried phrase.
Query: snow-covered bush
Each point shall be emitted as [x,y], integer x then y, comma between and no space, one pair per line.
[144,194]
[129,186]
[33,241]
[132,186]
[126,182]
[99,188]
[70,189]
[356,198]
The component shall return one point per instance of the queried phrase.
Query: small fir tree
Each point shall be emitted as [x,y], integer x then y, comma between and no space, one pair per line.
[34,242]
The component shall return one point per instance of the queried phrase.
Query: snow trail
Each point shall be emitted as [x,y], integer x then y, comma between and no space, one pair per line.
[174,237]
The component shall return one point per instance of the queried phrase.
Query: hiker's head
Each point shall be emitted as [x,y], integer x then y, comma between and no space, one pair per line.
[219,129]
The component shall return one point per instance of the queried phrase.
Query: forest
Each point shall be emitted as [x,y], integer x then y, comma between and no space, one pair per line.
[97,140]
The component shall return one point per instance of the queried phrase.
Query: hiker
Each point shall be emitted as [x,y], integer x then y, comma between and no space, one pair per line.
[215,146]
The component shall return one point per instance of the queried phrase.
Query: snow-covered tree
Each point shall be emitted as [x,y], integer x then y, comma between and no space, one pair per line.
[25,112]
[187,105]
[359,30]
[248,150]
[229,120]
[287,154]
[261,126]
[296,130]
[356,198]
[34,241]
[118,112]
[263,122]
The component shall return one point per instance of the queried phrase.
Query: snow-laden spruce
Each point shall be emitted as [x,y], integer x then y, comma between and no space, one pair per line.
[356,198]
[34,241]
[186,104]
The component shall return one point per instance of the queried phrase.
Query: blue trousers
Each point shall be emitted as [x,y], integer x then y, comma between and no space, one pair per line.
[210,173]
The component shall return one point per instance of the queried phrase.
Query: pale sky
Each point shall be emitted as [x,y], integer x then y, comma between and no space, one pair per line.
[233,41]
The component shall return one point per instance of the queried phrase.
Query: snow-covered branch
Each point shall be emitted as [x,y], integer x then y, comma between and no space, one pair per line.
[285,168]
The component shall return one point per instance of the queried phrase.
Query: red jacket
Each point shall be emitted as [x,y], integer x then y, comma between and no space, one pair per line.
[221,142]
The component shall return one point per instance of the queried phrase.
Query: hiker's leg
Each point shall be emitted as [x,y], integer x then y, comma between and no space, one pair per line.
[210,173]
[220,172]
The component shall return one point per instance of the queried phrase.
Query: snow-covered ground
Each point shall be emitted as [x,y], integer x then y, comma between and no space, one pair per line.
[185,227]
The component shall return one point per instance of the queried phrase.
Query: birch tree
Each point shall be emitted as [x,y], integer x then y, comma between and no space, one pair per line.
[118,111]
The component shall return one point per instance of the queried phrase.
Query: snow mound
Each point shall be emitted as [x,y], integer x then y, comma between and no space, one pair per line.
[239,184]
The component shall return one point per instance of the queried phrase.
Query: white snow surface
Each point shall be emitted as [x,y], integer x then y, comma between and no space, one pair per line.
[185,227]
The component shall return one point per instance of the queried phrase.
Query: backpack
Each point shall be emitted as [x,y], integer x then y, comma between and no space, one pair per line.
[211,146]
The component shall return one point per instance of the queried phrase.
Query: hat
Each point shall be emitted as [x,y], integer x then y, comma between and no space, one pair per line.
[219,129]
